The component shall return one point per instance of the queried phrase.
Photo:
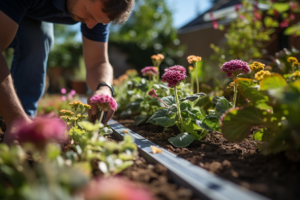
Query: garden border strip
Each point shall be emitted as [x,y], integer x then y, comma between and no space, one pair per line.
[204,184]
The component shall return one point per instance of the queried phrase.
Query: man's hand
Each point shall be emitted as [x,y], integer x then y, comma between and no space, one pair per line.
[9,135]
[94,109]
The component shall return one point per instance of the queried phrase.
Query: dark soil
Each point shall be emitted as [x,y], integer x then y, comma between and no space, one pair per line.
[156,179]
[273,176]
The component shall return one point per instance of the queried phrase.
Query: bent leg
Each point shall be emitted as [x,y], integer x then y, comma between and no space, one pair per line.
[32,44]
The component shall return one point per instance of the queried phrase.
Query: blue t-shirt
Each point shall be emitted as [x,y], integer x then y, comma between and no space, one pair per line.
[54,11]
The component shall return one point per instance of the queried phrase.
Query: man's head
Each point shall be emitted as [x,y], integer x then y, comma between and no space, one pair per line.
[92,12]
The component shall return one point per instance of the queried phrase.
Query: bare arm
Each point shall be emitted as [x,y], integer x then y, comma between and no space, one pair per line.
[10,106]
[98,69]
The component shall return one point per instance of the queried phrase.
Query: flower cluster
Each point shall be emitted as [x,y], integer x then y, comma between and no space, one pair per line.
[292,60]
[235,67]
[41,131]
[158,57]
[152,93]
[66,112]
[148,71]
[261,75]
[77,104]
[114,188]
[257,66]
[173,78]
[120,80]
[104,102]
[178,68]
[193,59]
[296,74]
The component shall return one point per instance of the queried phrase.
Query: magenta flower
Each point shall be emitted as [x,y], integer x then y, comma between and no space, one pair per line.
[173,78]
[177,68]
[73,92]
[235,67]
[152,93]
[63,98]
[148,71]
[63,90]
[41,131]
[114,188]
[104,102]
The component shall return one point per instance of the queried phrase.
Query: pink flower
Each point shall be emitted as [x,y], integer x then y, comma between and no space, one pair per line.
[73,92]
[63,90]
[285,23]
[177,68]
[63,98]
[152,93]
[173,77]
[235,67]
[41,131]
[149,71]
[114,188]
[104,102]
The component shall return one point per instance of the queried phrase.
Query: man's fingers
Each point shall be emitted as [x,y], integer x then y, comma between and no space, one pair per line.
[93,109]
[109,114]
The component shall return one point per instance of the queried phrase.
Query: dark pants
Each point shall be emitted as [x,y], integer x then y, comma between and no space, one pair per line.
[31,44]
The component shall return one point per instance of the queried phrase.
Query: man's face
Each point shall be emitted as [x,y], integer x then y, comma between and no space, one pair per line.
[88,12]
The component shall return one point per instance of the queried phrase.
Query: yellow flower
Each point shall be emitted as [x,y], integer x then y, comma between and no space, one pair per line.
[131,72]
[296,74]
[158,57]
[261,75]
[193,59]
[257,66]
[191,68]
[64,117]
[75,104]
[292,60]
[66,112]
[156,68]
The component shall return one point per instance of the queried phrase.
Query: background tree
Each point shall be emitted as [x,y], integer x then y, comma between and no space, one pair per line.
[148,31]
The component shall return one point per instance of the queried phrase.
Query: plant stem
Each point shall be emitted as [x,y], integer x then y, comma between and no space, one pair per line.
[197,80]
[101,116]
[192,82]
[178,110]
[162,102]
[234,93]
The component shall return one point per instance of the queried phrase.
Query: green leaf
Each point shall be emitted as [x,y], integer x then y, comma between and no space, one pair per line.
[258,135]
[134,106]
[194,97]
[181,140]
[222,105]
[211,123]
[237,123]
[257,98]
[202,101]
[90,127]
[185,106]
[164,117]
[272,82]
[269,22]
[169,100]
[281,7]
[198,115]
[125,114]
[140,119]
[293,30]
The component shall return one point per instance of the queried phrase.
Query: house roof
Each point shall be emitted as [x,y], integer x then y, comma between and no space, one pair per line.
[200,22]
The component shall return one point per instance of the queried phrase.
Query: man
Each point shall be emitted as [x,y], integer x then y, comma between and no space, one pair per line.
[24,25]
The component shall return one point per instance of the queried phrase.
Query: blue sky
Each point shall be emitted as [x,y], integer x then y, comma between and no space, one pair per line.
[183,12]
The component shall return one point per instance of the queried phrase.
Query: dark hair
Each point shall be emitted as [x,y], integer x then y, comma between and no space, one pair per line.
[118,11]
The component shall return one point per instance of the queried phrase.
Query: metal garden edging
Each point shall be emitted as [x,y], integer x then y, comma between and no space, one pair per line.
[204,184]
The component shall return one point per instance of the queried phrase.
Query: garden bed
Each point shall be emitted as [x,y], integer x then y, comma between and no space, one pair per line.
[273,176]
[154,177]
